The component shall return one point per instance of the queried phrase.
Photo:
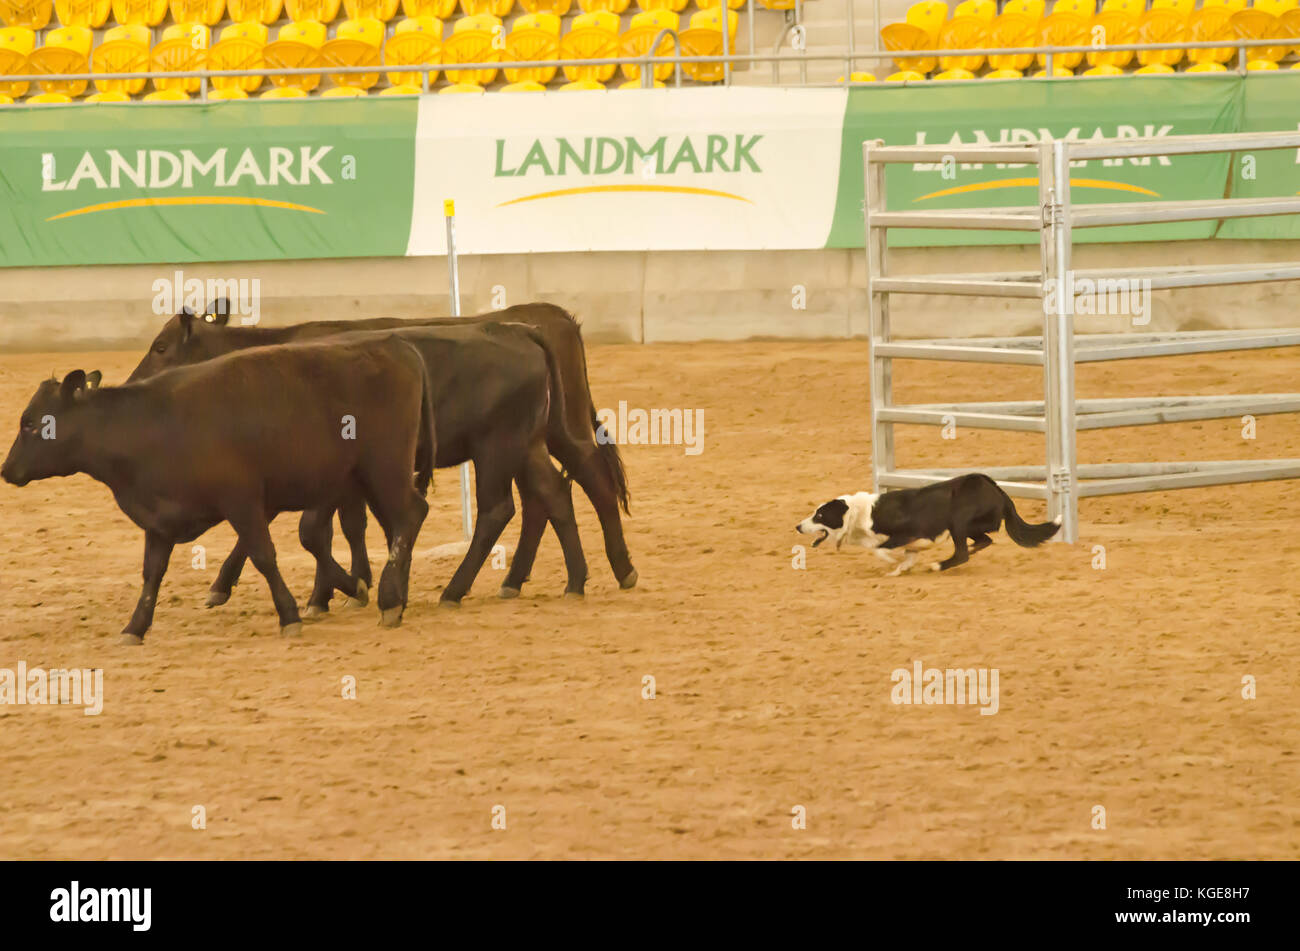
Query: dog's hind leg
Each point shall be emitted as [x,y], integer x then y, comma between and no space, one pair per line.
[981,541]
[960,554]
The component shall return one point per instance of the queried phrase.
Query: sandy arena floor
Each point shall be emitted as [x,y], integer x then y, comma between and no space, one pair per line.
[1119,687]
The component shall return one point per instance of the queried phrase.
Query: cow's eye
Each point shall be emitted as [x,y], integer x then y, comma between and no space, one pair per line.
[26,425]
[161,348]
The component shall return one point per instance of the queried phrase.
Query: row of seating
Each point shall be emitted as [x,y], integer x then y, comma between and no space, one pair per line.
[416,41]
[976,24]
[1104,69]
[38,14]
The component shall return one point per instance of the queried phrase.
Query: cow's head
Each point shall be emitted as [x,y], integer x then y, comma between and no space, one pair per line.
[48,431]
[187,338]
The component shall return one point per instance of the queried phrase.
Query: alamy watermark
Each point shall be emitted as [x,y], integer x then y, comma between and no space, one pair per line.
[935,685]
[655,427]
[81,687]
[243,296]
[1100,297]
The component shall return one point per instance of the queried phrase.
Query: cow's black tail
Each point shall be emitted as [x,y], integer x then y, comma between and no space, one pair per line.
[1023,533]
[610,457]
[426,447]
[555,381]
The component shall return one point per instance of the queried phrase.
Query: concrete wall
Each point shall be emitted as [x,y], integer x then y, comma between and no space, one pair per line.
[650,297]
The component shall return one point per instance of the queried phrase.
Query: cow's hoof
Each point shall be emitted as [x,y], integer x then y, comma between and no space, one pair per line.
[575,595]
[448,603]
[314,612]
[131,640]
[392,617]
[291,630]
[629,581]
[217,598]
[361,598]
[506,593]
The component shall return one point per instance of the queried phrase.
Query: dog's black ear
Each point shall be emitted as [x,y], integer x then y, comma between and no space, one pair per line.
[832,513]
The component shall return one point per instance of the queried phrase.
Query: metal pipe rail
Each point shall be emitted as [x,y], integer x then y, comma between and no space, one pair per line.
[1062,481]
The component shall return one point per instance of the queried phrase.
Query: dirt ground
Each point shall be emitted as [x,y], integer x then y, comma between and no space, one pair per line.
[1119,687]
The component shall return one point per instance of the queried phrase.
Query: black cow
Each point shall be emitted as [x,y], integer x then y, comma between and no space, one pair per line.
[295,427]
[570,435]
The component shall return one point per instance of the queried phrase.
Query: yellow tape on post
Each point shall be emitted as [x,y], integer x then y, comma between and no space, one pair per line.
[449,208]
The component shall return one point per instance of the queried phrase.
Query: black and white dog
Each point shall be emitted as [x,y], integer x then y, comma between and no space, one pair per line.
[967,507]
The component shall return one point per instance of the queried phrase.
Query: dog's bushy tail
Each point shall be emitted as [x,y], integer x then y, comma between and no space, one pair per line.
[1023,533]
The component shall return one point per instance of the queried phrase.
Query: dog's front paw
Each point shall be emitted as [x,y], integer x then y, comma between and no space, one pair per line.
[934,566]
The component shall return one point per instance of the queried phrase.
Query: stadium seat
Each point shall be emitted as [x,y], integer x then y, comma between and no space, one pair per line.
[904,76]
[1291,24]
[1259,24]
[1064,27]
[558,7]
[381,10]
[984,10]
[313,11]
[240,46]
[929,15]
[1162,26]
[113,96]
[636,84]
[184,47]
[1207,67]
[1030,9]
[401,91]
[642,31]
[50,99]
[1004,74]
[30,14]
[66,50]
[416,42]
[1230,5]
[526,85]
[167,95]
[125,50]
[254,11]
[592,36]
[472,41]
[296,46]
[147,12]
[963,33]
[859,77]
[534,36]
[740,4]
[583,85]
[1058,72]
[920,31]
[1154,69]
[91,13]
[956,73]
[461,87]
[355,43]
[1013,30]
[704,38]
[1260,65]
[1081,8]
[1207,24]
[1185,7]
[284,92]
[1133,8]
[5,100]
[207,12]
[343,92]
[234,92]
[1103,69]
[16,44]
[1118,27]
[438,9]
[497,8]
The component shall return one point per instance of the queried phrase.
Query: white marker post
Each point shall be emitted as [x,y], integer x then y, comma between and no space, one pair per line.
[449,209]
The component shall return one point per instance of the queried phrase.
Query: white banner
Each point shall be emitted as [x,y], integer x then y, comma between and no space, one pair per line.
[640,170]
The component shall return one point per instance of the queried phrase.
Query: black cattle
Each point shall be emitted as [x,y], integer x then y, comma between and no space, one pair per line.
[570,435]
[240,439]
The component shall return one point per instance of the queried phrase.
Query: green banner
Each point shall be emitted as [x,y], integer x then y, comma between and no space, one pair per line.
[117,184]
[1272,104]
[1015,111]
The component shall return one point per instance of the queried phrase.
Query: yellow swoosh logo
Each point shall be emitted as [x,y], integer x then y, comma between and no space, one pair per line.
[602,189]
[1026,182]
[185,200]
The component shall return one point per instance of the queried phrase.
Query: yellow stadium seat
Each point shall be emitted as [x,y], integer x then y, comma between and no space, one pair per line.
[30,14]
[1058,72]
[1207,67]
[113,96]
[296,46]
[1132,7]
[1185,7]
[401,91]
[50,99]
[1063,28]
[314,11]
[1161,26]
[907,36]
[1081,8]
[183,48]
[1103,69]
[929,15]
[526,85]
[1013,30]
[207,12]
[647,6]
[461,87]
[593,36]
[642,31]
[91,13]
[438,9]
[284,92]
[636,84]
[125,50]
[416,42]
[381,10]
[1032,9]
[16,44]
[254,11]
[497,8]
[1295,66]
[167,95]
[234,92]
[1291,25]
[558,7]
[240,46]
[1260,65]
[955,73]
[535,36]
[739,4]
[583,85]
[984,10]
[5,100]
[859,77]
[1207,24]
[1231,5]
[1276,7]
[963,33]
[474,40]
[1154,69]
[66,50]
[704,38]
[1004,74]
[355,43]
[612,6]
[904,76]
[343,92]
[1117,27]
[147,12]
[1257,24]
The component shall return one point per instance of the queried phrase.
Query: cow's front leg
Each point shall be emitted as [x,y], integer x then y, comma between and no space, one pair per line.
[227,577]
[255,537]
[157,553]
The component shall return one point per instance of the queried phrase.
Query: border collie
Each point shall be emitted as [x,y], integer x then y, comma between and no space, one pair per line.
[967,507]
